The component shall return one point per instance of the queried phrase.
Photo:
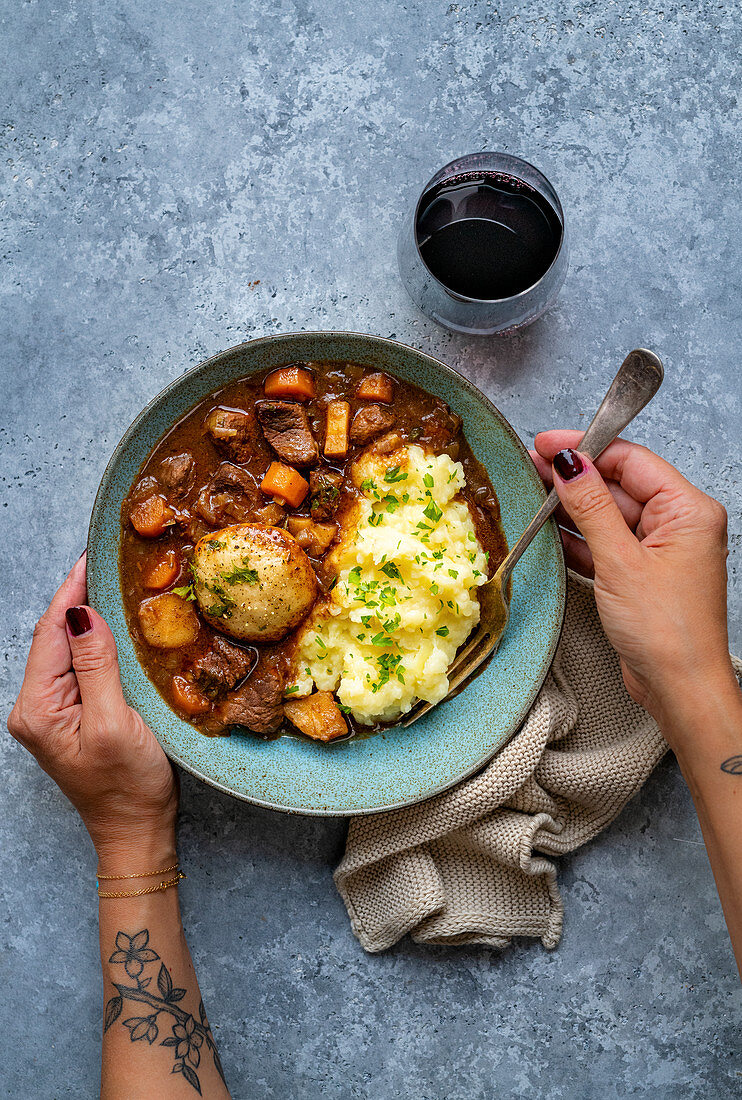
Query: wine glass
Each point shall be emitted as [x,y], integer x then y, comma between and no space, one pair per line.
[483,248]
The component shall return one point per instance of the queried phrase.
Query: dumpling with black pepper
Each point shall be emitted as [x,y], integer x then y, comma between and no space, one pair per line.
[253,581]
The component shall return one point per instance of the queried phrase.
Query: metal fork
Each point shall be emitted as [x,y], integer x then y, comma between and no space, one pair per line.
[637,381]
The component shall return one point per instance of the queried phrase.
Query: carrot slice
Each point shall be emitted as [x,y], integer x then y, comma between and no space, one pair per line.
[151,517]
[163,570]
[337,429]
[376,387]
[285,483]
[290,382]
[188,698]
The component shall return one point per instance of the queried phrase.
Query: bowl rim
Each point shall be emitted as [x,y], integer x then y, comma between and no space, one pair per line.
[461,380]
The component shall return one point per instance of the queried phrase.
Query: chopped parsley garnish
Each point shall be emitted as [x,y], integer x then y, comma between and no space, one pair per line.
[391,571]
[368,485]
[218,590]
[394,474]
[434,589]
[375,518]
[185,591]
[241,574]
[291,690]
[432,511]
[388,666]
[442,631]
[428,481]
[387,597]
[343,708]
[220,610]
[453,573]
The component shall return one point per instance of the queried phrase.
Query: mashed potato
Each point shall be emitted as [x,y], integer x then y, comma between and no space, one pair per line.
[408,568]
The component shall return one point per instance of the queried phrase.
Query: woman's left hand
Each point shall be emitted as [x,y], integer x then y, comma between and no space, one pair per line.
[71,714]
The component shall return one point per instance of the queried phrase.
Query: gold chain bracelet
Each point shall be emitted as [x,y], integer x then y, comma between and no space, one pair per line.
[139,874]
[150,889]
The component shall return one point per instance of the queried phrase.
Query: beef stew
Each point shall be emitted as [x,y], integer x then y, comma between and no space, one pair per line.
[274,449]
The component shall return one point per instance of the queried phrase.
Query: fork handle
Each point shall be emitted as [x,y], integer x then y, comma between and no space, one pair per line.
[637,381]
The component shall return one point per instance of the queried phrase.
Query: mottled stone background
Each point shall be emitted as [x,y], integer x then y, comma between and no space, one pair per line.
[181,176]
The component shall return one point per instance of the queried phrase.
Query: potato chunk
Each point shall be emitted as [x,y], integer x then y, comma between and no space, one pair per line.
[253,581]
[168,621]
[313,537]
[318,716]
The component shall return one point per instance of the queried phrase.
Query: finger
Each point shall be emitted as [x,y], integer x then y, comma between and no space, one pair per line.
[577,553]
[631,509]
[50,655]
[95,661]
[640,472]
[589,502]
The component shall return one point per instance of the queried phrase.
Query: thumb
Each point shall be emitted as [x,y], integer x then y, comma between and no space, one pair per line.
[95,661]
[588,501]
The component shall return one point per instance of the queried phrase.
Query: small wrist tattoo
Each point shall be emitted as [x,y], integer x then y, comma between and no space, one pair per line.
[733,765]
[188,1035]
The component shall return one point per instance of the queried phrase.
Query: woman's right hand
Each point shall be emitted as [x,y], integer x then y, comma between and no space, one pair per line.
[657,548]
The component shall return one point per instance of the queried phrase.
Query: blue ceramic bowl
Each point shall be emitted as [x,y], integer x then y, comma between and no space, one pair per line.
[396,767]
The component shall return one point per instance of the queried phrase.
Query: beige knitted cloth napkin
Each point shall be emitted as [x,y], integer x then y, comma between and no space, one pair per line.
[470,866]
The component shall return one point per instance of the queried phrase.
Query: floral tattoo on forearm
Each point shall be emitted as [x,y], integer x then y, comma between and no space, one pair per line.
[188,1034]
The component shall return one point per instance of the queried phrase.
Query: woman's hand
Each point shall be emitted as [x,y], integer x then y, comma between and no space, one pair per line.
[71,714]
[657,548]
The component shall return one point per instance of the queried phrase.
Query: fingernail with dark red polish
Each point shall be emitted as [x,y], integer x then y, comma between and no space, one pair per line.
[568,464]
[78,621]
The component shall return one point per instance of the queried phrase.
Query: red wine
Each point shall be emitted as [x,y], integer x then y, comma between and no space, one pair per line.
[487,236]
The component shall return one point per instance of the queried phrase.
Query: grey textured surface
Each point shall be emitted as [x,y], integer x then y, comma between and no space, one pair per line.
[179,177]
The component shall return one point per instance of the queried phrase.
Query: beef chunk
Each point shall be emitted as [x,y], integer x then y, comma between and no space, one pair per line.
[370,422]
[441,425]
[325,489]
[257,704]
[176,474]
[232,431]
[222,667]
[272,514]
[286,427]
[387,444]
[229,497]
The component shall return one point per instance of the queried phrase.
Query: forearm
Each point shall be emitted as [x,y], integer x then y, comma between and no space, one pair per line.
[704,727]
[156,1041]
